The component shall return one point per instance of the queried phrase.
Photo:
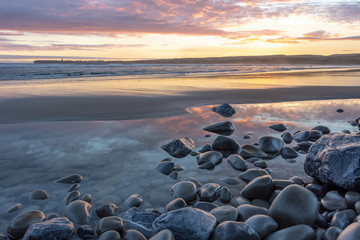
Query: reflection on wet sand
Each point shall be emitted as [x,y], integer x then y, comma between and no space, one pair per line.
[117,158]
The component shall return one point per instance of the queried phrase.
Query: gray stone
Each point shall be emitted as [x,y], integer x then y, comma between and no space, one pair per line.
[85,232]
[222,144]
[197,183]
[74,186]
[179,148]
[251,174]
[78,211]
[185,190]
[319,190]
[207,165]
[246,211]
[211,156]
[222,128]
[260,164]
[231,230]
[323,129]
[175,175]
[186,223]
[225,195]
[260,203]
[133,234]
[206,148]
[278,127]
[280,184]
[163,235]
[165,167]
[224,110]
[237,162]
[262,224]
[110,235]
[209,192]
[298,232]
[352,123]
[239,200]
[72,196]
[294,205]
[144,219]
[179,168]
[315,135]
[14,208]
[331,233]
[346,131]
[106,210]
[302,136]
[134,200]
[357,207]
[288,153]
[351,198]
[298,180]
[18,226]
[269,144]
[74,178]
[260,187]
[302,147]
[225,213]
[335,160]
[249,151]
[333,201]
[287,137]
[340,110]
[110,223]
[230,181]
[205,206]
[87,198]
[175,204]
[352,232]
[343,219]
[57,228]
[39,194]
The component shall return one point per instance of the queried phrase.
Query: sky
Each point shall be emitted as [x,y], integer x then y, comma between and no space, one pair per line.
[153,29]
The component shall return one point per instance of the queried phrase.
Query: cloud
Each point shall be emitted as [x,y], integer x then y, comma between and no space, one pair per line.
[317,34]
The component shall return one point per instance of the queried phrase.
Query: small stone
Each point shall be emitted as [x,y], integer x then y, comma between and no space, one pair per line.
[179,168]
[197,183]
[260,164]
[186,223]
[185,190]
[134,216]
[357,207]
[237,162]
[247,136]
[207,165]
[72,196]
[225,213]
[14,208]
[315,135]
[246,211]
[352,123]
[352,232]
[174,175]
[225,145]
[262,224]
[260,203]
[343,219]
[280,184]
[298,232]
[249,151]
[56,228]
[351,198]
[205,206]
[302,136]
[87,198]
[207,135]
[163,235]
[175,204]
[206,148]
[253,159]
[323,129]
[73,187]
[297,180]
[18,226]
[78,211]
[110,235]
[222,128]
[230,181]
[319,190]
[165,167]
[239,200]
[132,234]
[110,223]
[278,127]
[340,110]
[225,195]
[288,153]
[333,201]
[231,230]
[302,147]
[251,174]
[260,187]
[270,144]
[106,210]
[287,137]
[331,233]
[211,156]
[74,178]
[39,194]
[346,131]
[179,148]
[134,200]
[85,232]
[209,192]
[224,110]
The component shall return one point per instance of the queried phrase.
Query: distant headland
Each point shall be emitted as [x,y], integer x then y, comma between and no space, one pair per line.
[337,59]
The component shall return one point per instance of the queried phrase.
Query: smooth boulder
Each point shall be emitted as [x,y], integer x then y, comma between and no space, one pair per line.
[185,190]
[223,128]
[269,144]
[18,226]
[78,211]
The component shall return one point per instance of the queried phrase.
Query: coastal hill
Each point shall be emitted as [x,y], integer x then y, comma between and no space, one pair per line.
[337,59]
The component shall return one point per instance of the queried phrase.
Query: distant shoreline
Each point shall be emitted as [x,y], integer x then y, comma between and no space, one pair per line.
[337,59]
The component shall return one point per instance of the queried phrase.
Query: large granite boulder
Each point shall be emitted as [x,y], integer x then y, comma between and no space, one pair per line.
[335,160]
[186,223]
[179,148]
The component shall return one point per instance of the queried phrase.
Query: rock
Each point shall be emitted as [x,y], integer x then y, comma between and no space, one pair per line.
[333,201]
[260,203]
[106,210]
[186,223]
[302,136]
[78,211]
[319,190]
[357,207]
[288,153]
[175,204]
[335,160]
[74,178]
[246,211]
[346,131]
[251,174]
[185,190]
[72,196]
[351,232]
[132,234]
[247,136]
[143,219]
[206,148]
[260,164]
[14,208]
[225,195]
[207,165]
[237,162]
[351,198]
[110,223]
[331,233]
[225,213]
[343,219]
[260,187]
[302,147]
[278,127]
[269,144]
[18,226]
[230,181]
[56,228]
[287,137]
[73,187]
[225,145]
[280,184]
[231,230]
[250,151]
[51,216]
[197,183]
[315,135]
[134,200]
[222,128]
[340,110]
[323,129]
[110,235]
[211,156]
[352,123]
[179,148]
[294,205]
[224,110]
[3,237]
[39,194]
[179,168]
[298,180]
[239,200]
[262,224]
[85,232]
[205,206]
[209,192]
[165,167]
[174,175]
[298,232]
[163,235]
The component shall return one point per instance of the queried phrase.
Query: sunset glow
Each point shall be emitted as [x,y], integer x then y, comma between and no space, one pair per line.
[151,29]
